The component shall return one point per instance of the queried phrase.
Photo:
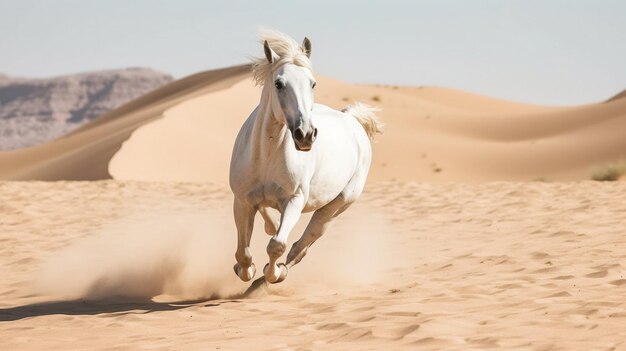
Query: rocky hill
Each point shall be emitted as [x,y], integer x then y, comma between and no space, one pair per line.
[33,111]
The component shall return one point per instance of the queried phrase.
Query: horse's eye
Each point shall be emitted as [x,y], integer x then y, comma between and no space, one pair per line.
[278,84]
[313,85]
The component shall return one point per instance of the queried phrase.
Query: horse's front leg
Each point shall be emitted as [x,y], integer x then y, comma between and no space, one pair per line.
[278,244]
[244,219]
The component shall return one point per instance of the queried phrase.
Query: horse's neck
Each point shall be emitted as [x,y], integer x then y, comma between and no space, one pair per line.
[269,135]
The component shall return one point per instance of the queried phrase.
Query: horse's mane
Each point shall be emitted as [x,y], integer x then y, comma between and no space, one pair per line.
[287,49]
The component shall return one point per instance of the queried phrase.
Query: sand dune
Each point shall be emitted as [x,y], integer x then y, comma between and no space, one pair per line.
[412,265]
[185,132]
[620,95]
[85,153]
[433,134]
[524,266]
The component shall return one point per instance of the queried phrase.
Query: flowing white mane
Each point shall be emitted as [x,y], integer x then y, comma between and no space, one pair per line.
[287,49]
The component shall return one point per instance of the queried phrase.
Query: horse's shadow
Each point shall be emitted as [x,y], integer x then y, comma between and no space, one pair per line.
[121,306]
[82,307]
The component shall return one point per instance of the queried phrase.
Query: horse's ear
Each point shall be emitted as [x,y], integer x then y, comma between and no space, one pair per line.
[306,46]
[269,53]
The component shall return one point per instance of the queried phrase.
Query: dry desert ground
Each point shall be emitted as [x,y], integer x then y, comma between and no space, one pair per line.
[479,228]
[505,265]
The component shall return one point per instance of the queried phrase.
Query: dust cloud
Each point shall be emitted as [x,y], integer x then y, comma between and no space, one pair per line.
[187,253]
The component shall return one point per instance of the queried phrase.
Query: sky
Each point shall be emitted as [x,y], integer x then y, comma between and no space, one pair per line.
[552,52]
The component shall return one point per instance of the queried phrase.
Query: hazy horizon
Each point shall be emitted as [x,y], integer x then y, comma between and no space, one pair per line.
[557,52]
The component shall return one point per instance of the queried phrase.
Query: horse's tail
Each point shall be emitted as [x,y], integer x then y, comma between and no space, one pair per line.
[366,115]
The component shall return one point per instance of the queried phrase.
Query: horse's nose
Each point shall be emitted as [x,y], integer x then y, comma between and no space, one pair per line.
[299,135]
[302,137]
[314,134]
[304,140]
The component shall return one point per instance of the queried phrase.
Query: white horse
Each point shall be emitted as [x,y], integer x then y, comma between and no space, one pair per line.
[294,156]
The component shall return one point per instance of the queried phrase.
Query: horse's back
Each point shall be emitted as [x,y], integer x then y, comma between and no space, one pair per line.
[342,131]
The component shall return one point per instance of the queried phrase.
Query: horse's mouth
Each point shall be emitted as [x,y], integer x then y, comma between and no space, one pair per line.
[303,148]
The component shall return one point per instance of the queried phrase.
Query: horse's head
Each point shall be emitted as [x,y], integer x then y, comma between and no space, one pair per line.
[292,100]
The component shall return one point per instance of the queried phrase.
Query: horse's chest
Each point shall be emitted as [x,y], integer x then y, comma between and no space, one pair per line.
[278,179]
[284,181]
[273,184]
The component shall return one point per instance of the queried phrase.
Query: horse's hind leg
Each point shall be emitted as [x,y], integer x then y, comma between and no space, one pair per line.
[244,219]
[271,220]
[320,221]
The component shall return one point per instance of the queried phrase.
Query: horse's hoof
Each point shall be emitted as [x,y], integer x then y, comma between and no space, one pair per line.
[280,273]
[283,272]
[245,274]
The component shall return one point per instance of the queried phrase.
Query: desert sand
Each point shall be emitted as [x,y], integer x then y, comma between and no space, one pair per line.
[184,131]
[452,266]
[451,247]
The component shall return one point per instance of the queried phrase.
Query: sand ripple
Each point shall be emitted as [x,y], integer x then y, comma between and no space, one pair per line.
[528,266]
